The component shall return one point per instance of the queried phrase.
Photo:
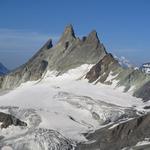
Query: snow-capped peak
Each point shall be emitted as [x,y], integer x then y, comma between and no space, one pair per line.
[123,61]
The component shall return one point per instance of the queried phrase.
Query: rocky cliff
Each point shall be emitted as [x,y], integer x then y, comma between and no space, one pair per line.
[102,69]
[116,137]
[109,71]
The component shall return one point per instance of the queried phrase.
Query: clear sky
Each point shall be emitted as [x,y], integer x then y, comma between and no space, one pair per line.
[122,25]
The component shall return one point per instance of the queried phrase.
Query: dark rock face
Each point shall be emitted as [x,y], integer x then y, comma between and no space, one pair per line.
[126,134]
[1,81]
[47,45]
[8,120]
[144,92]
[102,68]
[68,53]
[145,68]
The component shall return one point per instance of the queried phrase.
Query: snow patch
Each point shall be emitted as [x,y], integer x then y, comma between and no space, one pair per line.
[145,142]
[6,148]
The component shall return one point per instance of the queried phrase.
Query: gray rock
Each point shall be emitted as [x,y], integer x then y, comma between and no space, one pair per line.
[7,120]
[68,35]
[32,70]
[68,53]
[131,77]
[144,92]
[126,77]
[102,69]
[126,134]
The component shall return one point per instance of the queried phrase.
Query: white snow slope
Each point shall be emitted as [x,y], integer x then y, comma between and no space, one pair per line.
[67,104]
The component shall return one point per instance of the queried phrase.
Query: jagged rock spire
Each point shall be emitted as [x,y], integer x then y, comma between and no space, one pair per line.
[68,53]
[93,37]
[48,44]
[68,34]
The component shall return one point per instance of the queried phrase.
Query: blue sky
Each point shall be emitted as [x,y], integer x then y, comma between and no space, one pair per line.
[122,25]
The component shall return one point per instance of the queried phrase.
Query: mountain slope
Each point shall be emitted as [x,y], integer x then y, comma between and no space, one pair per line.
[109,71]
[144,91]
[68,53]
[71,52]
[127,135]
[102,69]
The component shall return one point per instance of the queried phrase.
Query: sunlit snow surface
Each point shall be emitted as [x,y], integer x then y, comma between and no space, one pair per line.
[58,109]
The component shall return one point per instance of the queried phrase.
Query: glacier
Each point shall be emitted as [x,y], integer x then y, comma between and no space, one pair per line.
[60,109]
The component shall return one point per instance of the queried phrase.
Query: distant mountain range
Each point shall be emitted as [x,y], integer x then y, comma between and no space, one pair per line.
[3,69]
[124,62]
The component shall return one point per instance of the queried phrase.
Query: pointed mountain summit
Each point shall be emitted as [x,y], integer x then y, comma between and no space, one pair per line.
[70,52]
[48,44]
[93,37]
[68,34]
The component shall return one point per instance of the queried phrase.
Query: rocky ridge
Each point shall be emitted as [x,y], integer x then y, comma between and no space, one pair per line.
[116,137]
[126,77]
[68,53]
[129,78]
[71,52]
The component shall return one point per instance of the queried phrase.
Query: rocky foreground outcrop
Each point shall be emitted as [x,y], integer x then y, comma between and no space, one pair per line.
[6,120]
[119,136]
